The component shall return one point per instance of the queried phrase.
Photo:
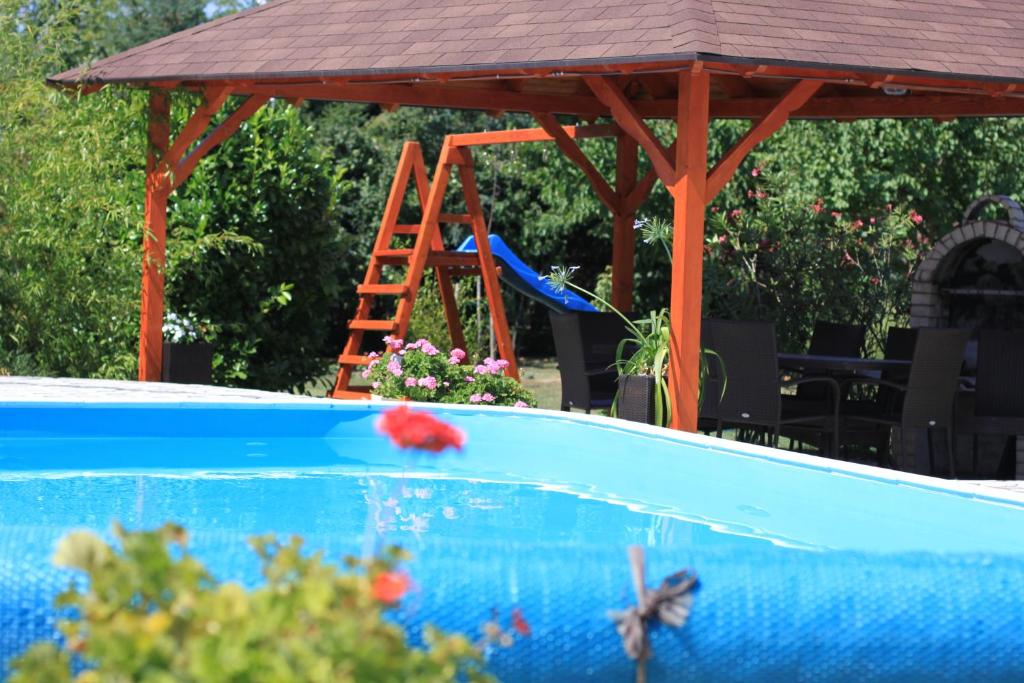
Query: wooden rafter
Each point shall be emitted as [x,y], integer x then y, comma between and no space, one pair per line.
[183,169]
[625,114]
[517,135]
[569,147]
[768,124]
[213,100]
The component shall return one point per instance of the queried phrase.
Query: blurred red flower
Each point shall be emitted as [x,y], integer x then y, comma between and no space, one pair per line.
[390,586]
[417,429]
[519,623]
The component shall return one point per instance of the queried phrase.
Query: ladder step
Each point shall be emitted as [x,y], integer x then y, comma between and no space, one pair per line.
[407,229]
[390,257]
[373,325]
[455,218]
[350,394]
[393,290]
[347,359]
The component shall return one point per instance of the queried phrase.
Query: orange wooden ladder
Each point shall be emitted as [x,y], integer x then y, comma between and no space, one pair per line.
[428,251]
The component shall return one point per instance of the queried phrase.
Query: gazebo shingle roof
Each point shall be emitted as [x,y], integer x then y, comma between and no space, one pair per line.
[976,39]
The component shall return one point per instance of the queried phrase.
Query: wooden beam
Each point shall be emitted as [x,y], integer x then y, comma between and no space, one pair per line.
[688,194]
[624,113]
[514,136]
[874,106]
[724,170]
[154,239]
[214,99]
[422,95]
[184,168]
[576,155]
[623,233]
[644,186]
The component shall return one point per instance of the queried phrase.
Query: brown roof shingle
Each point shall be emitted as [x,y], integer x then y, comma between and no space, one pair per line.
[976,38]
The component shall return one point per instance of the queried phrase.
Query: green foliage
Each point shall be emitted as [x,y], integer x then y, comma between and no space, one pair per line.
[70,210]
[255,252]
[419,371]
[776,257]
[152,612]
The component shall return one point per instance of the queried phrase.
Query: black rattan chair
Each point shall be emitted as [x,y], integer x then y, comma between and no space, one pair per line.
[924,403]
[835,339]
[998,392]
[752,401]
[585,344]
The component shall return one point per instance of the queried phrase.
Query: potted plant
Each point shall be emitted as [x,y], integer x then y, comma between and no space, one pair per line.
[642,358]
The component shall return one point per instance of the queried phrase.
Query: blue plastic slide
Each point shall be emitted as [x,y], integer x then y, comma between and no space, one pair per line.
[527,281]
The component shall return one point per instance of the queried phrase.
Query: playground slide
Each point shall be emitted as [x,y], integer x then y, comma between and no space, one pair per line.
[527,281]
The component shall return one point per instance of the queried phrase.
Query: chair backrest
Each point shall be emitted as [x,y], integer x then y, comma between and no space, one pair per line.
[999,388]
[899,343]
[751,366]
[831,339]
[584,341]
[934,378]
[835,339]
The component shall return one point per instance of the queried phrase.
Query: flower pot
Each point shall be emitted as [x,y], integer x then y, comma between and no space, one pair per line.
[635,398]
[187,363]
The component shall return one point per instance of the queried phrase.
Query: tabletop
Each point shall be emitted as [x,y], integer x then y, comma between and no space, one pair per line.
[800,361]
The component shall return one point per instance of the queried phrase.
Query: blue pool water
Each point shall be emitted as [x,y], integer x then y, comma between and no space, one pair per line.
[809,570]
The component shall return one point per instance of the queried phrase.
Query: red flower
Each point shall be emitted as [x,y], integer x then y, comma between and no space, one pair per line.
[876,281]
[735,213]
[818,206]
[420,430]
[519,623]
[858,224]
[390,586]
[916,217]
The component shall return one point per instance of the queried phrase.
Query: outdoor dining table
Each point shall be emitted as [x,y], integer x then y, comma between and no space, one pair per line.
[839,364]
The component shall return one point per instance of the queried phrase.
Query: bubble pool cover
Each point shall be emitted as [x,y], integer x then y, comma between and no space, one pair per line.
[810,570]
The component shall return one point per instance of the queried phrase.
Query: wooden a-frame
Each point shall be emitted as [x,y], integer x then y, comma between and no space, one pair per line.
[428,251]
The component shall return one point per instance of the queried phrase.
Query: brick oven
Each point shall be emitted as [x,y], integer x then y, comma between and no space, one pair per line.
[974,277]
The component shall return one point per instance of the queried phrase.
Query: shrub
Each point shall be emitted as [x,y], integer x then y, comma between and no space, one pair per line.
[420,372]
[153,612]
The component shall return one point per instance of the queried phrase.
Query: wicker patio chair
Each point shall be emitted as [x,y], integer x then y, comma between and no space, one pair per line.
[998,392]
[835,339]
[585,345]
[924,403]
[752,401]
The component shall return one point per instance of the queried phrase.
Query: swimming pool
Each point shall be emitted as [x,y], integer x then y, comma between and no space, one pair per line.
[810,569]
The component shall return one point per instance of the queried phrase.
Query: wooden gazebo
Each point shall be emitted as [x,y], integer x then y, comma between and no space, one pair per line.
[624,60]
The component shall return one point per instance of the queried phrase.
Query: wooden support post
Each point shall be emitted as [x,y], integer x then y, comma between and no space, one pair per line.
[688,194]
[154,239]
[623,234]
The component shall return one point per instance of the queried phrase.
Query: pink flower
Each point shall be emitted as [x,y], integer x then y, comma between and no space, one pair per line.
[714,209]
[393,343]
[876,281]
[756,171]
[429,382]
[858,224]
[470,378]
[395,366]
[456,356]
[818,206]
[871,220]
[474,398]
[723,239]
[735,213]
[429,348]
[501,363]
[520,404]
[375,385]
[373,354]
[410,381]
[366,373]
[916,217]
[837,214]
[487,398]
